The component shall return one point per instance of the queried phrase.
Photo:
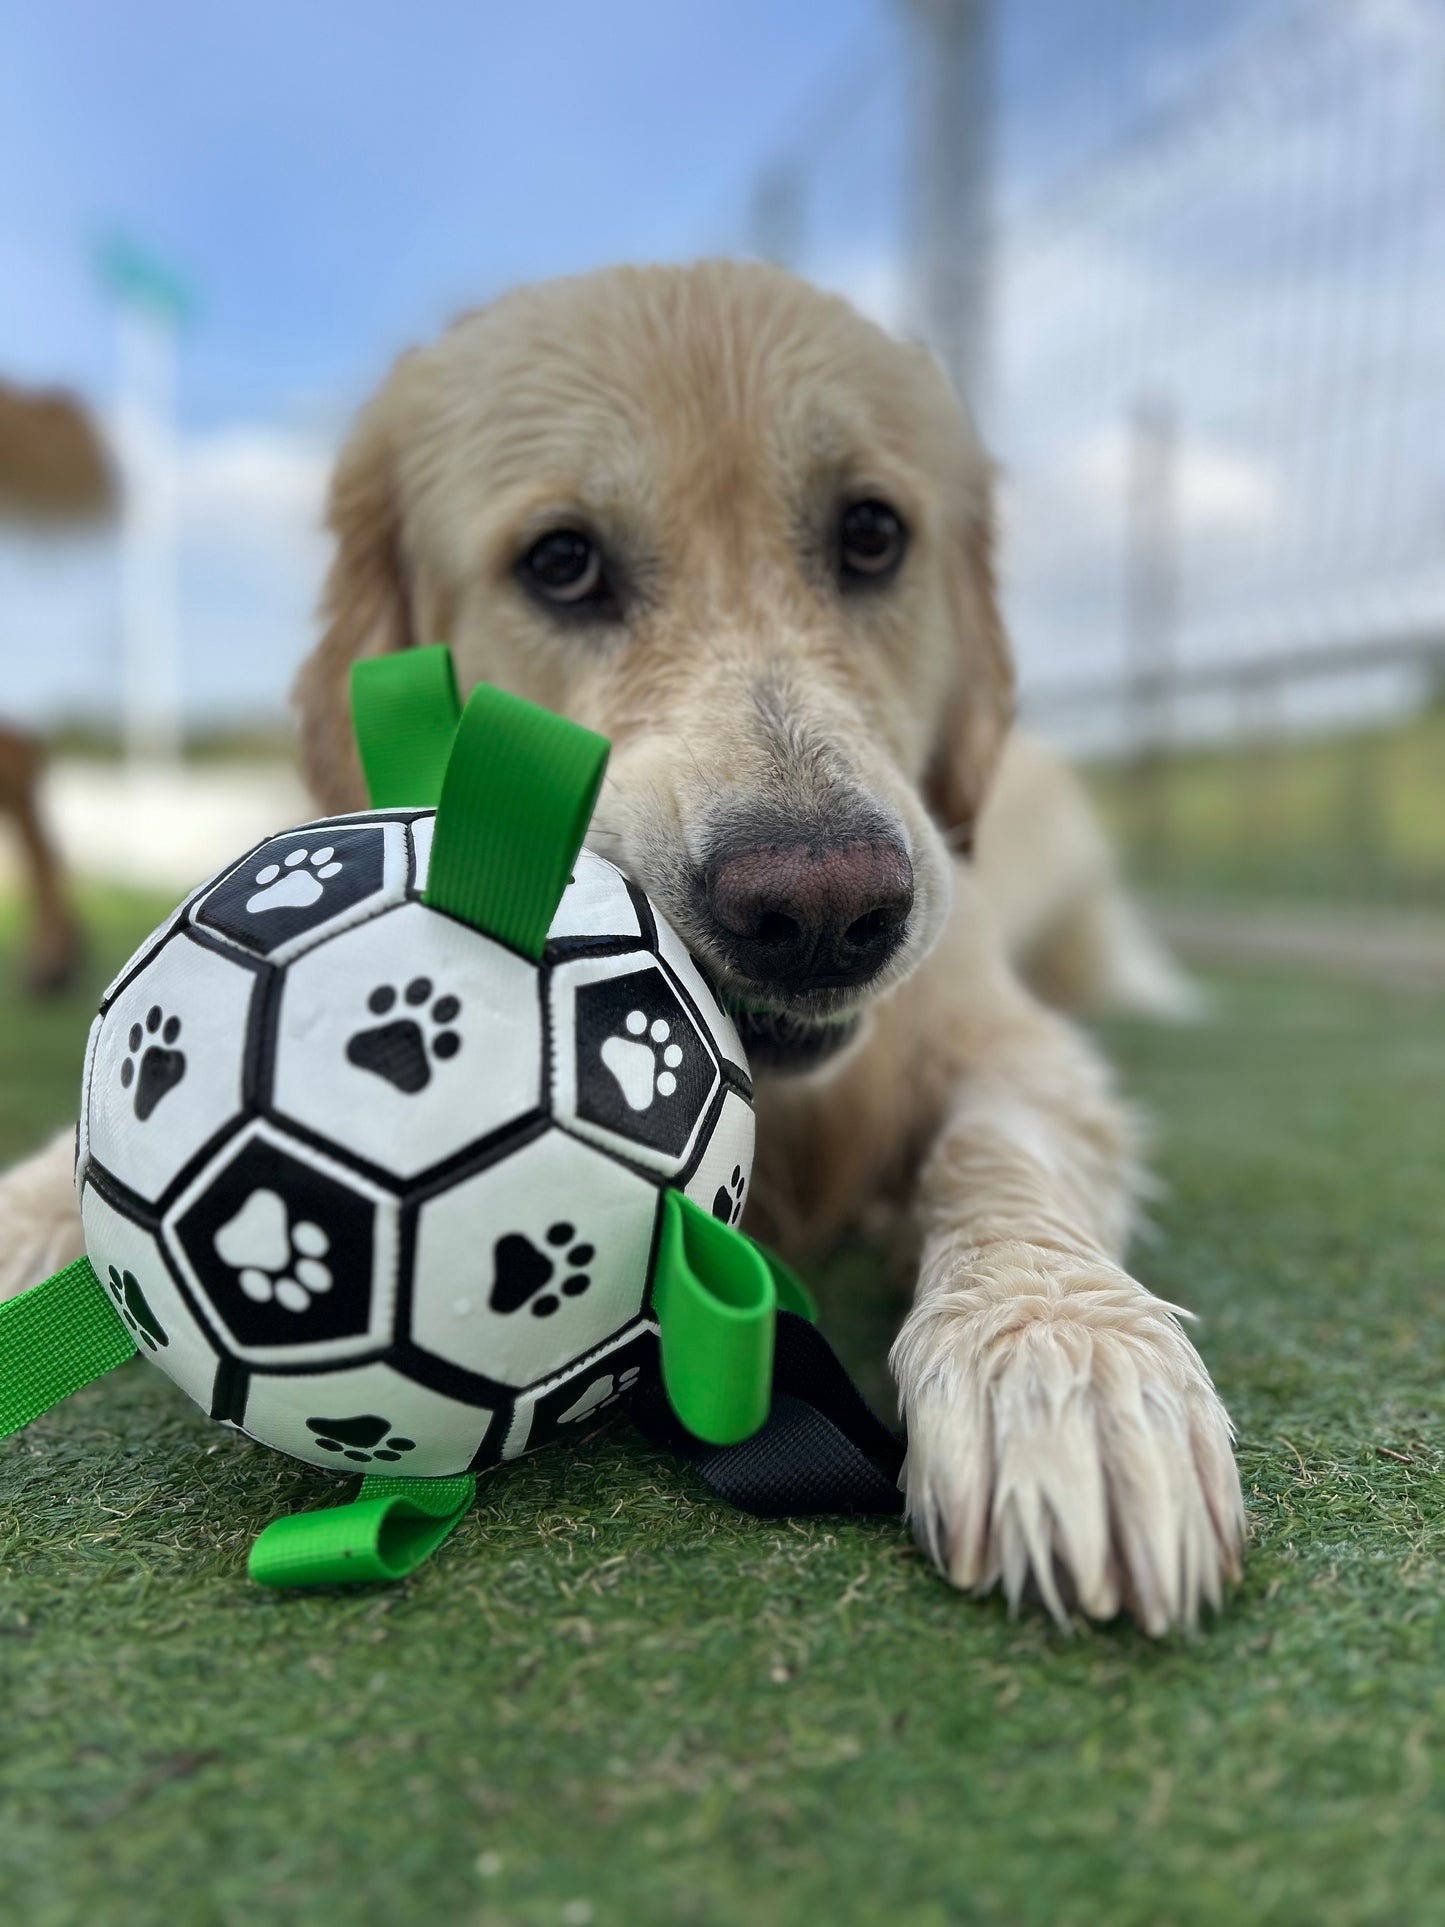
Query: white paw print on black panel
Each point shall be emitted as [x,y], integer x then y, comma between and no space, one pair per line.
[282,1251]
[563,1409]
[274,1256]
[293,885]
[642,1073]
[642,1069]
[602,1392]
[401,1048]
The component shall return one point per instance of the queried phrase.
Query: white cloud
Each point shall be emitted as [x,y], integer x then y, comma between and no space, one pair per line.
[254,483]
[1216,488]
[1416,25]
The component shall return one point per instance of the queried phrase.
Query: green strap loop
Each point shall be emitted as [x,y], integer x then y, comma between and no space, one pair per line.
[716,1296]
[513,787]
[404,709]
[54,1338]
[515,805]
[793,1294]
[383,1534]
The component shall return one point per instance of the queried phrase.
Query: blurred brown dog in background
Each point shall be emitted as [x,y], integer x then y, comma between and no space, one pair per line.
[714,514]
[53,950]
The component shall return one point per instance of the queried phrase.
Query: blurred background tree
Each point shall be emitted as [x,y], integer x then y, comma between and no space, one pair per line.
[55,473]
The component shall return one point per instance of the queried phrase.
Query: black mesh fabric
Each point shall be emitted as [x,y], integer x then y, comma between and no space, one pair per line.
[820,1451]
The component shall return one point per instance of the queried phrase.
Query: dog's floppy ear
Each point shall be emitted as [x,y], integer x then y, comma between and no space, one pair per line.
[365,606]
[979,707]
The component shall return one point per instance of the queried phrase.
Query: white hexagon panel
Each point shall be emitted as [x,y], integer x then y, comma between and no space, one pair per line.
[408,1039]
[526,1265]
[720,1026]
[306,884]
[720,1182]
[595,904]
[291,1256]
[630,1067]
[128,1262]
[564,1407]
[167,1070]
[365,1418]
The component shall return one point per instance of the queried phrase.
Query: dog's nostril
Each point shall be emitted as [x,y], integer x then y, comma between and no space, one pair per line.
[776,927]
[874,926]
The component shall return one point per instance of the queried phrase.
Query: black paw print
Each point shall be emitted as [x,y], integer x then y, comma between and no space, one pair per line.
[727,1204]
[363,1438]
[520,1271]
[135,1309]
[402,1049]
[157,1068]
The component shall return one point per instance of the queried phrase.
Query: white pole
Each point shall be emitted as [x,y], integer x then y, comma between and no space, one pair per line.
[151,710]
[1151,615]
[951,107]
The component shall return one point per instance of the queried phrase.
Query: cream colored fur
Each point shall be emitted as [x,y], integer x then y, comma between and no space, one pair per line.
[39,1218]
[1065,1439]
[1053,884]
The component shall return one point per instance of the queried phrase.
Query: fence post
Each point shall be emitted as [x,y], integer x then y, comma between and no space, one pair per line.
[1257,730]
[1151,614]
[1362,810]
[951,164]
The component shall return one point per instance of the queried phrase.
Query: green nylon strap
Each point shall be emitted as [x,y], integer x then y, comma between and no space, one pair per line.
[383,1534]
[404,709]
[716,1295]
[55,1338]
[515,805]
[793,1294]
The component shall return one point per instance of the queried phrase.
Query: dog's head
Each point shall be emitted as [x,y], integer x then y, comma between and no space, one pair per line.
[714,514]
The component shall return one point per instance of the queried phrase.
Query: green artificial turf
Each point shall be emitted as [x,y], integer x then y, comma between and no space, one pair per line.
[608,1699]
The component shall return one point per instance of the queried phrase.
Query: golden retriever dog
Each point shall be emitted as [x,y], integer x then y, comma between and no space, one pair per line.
[717,516]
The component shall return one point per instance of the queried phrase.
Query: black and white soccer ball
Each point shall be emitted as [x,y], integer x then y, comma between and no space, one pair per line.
[376,1189]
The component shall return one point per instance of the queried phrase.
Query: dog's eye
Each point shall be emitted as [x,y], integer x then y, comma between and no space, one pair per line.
[871,541]
[565,567]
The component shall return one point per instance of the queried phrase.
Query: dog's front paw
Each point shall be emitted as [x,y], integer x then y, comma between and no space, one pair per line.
[39,1218]
[1064,1437]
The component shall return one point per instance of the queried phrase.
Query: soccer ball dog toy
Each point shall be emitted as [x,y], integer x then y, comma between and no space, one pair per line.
[415,1138]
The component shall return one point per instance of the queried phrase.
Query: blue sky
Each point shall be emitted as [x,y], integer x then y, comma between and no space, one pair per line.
[338,179]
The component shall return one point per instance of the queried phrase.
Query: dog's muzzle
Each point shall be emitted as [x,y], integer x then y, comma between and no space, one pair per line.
[780,1045]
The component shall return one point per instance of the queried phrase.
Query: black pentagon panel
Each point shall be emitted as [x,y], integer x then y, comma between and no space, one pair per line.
[297,883]
[282,1252]
[643,1070]
[568,1408]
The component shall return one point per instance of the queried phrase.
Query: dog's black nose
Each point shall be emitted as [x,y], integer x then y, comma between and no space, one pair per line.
[804,917]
